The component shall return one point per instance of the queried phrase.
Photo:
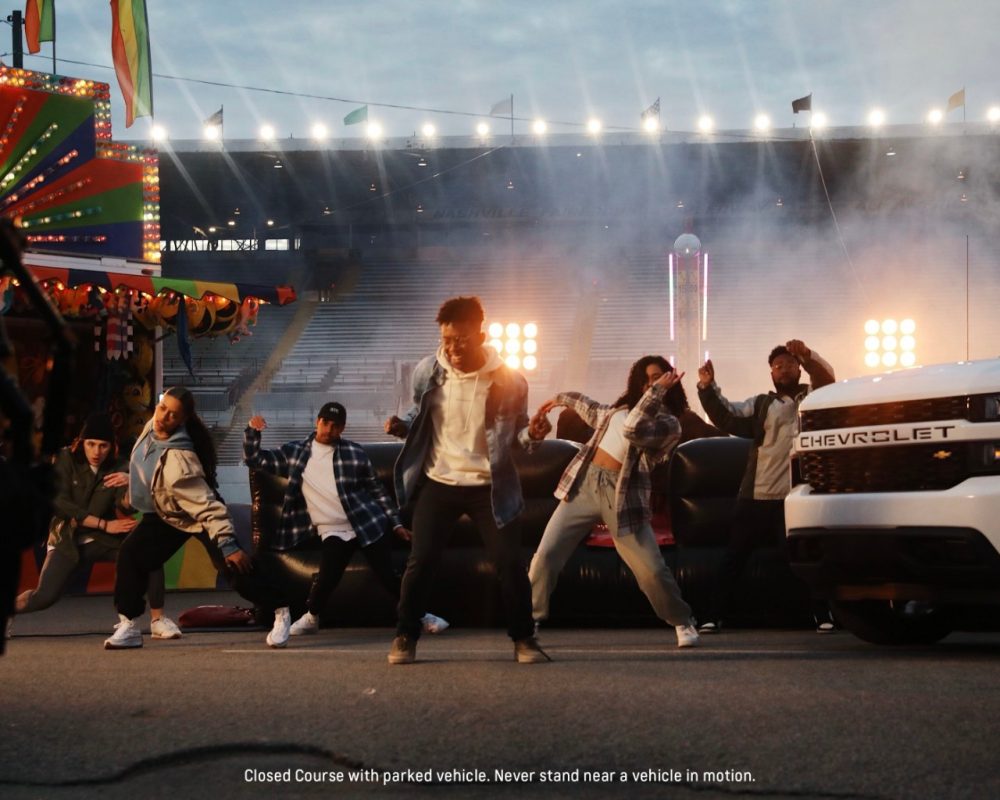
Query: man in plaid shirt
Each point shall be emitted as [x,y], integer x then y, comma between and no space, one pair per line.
[332,493]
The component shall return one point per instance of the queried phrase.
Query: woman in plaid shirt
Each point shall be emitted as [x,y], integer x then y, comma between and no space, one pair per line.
[608,480]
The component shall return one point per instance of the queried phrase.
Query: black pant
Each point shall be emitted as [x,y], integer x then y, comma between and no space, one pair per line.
[757,523]
[145,549]
[266,586]
[335,556]
[437,509]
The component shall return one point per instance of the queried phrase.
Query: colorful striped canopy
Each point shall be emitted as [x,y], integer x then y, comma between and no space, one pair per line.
[71,278]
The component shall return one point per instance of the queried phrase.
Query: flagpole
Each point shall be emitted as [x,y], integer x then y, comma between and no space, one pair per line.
[54,39]
[512,118]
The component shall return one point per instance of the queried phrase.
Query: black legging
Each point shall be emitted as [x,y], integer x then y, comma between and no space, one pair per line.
[145,550]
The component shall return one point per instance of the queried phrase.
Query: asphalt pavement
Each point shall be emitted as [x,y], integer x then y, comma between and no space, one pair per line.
[618,713]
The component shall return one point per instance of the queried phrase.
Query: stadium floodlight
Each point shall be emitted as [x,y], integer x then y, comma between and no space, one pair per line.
[889,343]
[907,327]
[889,359]
[872,343]
[889,326]
[762,123]
[530,362]
[876,117]
[871,359]
[539,126]
[594,126]
[705,123]
[212,132]
[266,132]
[513,346]
[513,330]
[818,121]
[530,330]
[319,131]
[993,115]
[158,133]
[497,345]
[651,124]
[872,327]
[495,330]
[374,130]
[513,362]
[483,129]
[428,130]
[934,116]
[530,346]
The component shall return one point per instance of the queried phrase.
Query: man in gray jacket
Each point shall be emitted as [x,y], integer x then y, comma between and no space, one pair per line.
[772,421]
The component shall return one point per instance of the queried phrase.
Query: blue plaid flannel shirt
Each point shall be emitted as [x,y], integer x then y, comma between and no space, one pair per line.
[366,502]
[652,433]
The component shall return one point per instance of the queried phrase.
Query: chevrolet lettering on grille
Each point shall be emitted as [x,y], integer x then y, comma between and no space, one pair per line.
[860,438]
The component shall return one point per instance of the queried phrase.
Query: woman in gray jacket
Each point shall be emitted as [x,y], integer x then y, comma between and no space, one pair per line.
[90,488]
[172,482]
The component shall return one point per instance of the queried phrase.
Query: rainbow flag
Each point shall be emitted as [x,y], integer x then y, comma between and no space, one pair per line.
[39,23]
[130,51]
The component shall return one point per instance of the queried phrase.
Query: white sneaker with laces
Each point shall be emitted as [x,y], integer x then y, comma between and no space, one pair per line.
[126,635]
[306,624]
[433,624]
[278,637]
[687,636]
[164,628]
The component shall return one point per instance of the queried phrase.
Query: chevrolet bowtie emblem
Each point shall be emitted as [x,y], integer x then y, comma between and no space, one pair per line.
[941,455]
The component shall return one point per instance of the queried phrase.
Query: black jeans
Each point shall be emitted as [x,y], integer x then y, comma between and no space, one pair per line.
[437,509]
[267,587]
[145,550]
[757,523]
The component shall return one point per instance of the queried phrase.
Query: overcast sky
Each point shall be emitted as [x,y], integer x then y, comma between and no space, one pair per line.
[563,60]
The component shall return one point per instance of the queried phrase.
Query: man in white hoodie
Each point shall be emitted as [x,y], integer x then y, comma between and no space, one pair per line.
[470,411]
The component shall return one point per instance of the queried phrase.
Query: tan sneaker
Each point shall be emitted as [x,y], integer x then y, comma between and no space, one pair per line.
[403,650]
[527,651]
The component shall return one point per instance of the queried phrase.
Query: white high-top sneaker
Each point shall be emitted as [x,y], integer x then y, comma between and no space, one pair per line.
[278,637]
[126,635]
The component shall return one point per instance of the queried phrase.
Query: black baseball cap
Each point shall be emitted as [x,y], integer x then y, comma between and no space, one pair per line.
[333,412]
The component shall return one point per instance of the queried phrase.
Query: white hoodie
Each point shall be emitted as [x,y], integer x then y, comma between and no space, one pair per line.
[458,455]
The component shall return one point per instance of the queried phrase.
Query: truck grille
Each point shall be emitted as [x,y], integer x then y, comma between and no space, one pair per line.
[970,407]
[913,468]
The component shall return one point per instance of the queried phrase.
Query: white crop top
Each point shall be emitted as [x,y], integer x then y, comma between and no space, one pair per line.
[614,442]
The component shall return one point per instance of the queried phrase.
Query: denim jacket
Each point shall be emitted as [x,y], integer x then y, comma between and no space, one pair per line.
[506,428]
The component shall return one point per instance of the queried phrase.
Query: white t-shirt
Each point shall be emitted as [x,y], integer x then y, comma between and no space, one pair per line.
[614,442]
[459,455]
[319,488]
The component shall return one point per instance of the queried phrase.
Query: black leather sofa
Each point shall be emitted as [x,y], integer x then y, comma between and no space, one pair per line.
[699,486]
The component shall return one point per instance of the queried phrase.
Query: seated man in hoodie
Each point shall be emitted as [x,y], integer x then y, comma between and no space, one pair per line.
[470,412]
[332,493]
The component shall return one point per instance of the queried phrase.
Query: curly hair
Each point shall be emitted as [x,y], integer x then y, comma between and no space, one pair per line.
[676,399]
[461,309]
[204,447]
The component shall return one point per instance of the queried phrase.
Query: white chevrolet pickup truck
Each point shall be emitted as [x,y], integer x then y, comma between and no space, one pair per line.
[895,510]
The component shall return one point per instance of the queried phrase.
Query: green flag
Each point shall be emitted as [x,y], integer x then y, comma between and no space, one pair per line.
[356,116]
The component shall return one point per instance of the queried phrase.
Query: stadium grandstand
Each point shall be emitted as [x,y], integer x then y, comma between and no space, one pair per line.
[795,238]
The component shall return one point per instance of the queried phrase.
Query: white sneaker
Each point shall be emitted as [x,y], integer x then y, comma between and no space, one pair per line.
[434,624]
[278,637]
[687,636]
[305,624]
[164,628]
[126,635]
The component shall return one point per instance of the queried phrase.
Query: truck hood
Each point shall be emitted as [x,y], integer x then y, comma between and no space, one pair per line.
[916,383]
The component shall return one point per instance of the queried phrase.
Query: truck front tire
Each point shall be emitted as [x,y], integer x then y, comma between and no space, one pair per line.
[893,622]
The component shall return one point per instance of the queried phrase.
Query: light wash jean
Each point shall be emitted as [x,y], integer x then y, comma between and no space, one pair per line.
[570,525]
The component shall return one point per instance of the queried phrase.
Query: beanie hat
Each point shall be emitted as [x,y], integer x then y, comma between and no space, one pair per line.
[98,426]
